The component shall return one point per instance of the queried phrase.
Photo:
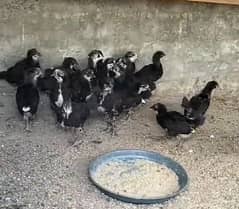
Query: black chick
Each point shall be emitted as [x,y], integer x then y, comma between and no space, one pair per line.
[82,85]
[131,87]
[113,103]
[27,96]
[145,91]
[110,104]
[59,90]
[106,73]
[70,65]
[197,106]
[95,60]
[73,115]
[15,74]
[46,83]
[68,68]
[152,72]
[51,78]
[127,63]
[127,92]
[173,122]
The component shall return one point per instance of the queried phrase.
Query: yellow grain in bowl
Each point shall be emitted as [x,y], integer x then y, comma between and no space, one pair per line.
[139,179]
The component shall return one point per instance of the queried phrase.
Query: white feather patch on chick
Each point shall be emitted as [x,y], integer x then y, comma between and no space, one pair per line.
[68,112]
[26,109]
[60,99]
[101,109]
[143,102]
[89,96]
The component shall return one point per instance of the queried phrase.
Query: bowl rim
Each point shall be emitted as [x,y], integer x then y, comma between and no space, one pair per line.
[99,160]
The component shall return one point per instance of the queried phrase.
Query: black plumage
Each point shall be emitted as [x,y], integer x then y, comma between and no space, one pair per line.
[27,96]
[58,89]
[130,101]
[94,57]
[82,85]
[105,71]
[121,91]
[15,74]
[110,104]
[197,106]
[50,79]
[173,122]
[70,65]
[113,103]
[73,115]
[47,82]
[96,63]
[151,72]
[144,90]
[130,86]
[127,62]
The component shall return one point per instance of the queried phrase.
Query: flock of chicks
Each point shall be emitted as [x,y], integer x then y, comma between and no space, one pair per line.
[110,86]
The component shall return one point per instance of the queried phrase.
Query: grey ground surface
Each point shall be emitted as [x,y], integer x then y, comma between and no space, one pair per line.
[41,170]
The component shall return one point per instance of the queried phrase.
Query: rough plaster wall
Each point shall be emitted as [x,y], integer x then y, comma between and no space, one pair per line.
[201,40]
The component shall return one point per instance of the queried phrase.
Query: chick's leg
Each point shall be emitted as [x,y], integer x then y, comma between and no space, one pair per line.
[113,131]
[110,120]
[26,118]
[77,136]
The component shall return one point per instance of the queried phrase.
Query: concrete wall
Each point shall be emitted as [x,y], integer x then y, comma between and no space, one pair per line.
[201,40]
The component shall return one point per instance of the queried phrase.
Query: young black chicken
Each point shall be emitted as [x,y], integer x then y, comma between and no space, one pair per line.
[109,103]
[113,103]
[106,73]
[82,85]
[59,90]
[73,115]
[70,65]
[131,87]
[27,96]
[96,62]
[94,58]
[127,62]
[15,74]
[151,72]
[173,122]
[197,106]
[68,68]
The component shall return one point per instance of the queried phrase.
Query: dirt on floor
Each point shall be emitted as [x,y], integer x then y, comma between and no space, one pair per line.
[41,170]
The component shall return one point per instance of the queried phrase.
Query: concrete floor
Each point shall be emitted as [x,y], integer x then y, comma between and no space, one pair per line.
[42,171]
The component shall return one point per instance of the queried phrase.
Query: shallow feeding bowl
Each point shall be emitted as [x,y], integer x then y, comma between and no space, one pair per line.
[131,163]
